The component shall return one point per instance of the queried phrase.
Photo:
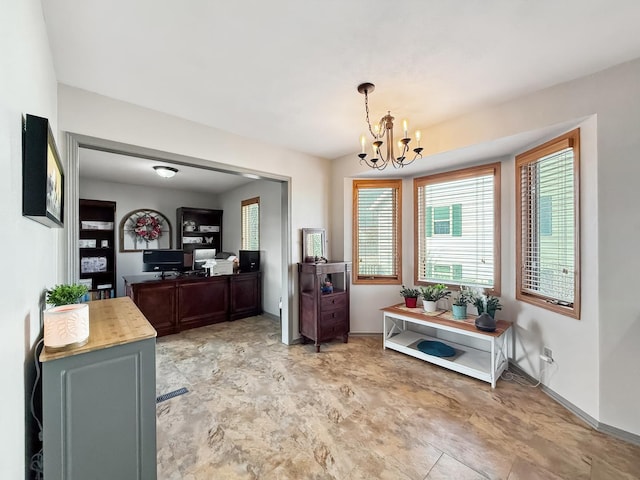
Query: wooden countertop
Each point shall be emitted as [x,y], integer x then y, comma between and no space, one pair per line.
[112,322]
[445,317]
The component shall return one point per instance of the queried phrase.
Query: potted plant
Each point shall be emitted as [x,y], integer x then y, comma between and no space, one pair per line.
[66,324]
[410,296]
[460,302]
[65,294]
[487,304]
[431,294]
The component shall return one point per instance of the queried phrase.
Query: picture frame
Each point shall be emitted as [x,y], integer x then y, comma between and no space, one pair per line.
[87,243]
[42,173]
[93,264]
[313,245]
[145,229]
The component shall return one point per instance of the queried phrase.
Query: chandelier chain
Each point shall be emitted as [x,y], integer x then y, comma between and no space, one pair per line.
[366,106]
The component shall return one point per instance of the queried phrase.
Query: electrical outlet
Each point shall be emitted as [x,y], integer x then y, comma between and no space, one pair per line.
[546,351]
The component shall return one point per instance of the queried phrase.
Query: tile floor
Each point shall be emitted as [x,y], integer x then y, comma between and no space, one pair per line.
[257,409]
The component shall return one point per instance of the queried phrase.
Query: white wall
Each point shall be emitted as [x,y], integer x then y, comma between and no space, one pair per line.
[593,355]
[135,197]
[32,256]
[86,113]
[270,234]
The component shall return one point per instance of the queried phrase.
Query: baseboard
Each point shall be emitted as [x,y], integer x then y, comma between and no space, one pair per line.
[270,316]
[595,424]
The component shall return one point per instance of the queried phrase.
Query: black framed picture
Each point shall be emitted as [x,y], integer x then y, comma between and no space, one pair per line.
[42,174]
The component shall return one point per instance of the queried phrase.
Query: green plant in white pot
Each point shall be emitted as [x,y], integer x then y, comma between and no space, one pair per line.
[431,294]
[460,302]
[66,324]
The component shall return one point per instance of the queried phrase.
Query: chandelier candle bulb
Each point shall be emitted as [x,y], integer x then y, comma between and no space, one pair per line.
[418,137]
[362,141]
[404,127]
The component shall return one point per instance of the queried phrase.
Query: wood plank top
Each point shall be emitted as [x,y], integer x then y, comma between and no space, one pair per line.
[112,322]
[445,317]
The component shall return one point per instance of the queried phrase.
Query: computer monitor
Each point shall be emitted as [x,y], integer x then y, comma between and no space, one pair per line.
[201,255]
[249,260]
[162,260]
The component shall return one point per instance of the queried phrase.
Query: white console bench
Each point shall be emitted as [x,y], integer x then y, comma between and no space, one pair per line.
[479,354]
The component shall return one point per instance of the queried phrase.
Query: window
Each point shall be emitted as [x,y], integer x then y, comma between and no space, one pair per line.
[251,224]
[376,231]
[457,224]
[547,222]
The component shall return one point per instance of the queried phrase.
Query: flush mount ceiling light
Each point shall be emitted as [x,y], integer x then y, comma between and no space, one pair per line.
[382,133]
[165,172]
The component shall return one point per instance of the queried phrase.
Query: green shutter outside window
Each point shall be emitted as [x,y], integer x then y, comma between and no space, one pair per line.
[428,222]
[457,271]
[456,217]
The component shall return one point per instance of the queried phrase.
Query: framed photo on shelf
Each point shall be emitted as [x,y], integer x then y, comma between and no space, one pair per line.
[42,175]
[93,264]
[82,243]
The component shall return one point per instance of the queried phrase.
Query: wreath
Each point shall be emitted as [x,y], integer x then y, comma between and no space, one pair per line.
[148,227]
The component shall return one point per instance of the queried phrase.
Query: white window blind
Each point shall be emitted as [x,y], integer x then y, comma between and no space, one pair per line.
[456,227]
[548,227]
[377,231]
[251,224]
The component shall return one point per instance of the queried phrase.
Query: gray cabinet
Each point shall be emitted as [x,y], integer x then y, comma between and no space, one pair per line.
[99,412]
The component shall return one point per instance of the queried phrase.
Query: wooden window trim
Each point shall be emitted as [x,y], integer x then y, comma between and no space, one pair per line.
[357,184]
[472,172]
[569,139]
[246,203]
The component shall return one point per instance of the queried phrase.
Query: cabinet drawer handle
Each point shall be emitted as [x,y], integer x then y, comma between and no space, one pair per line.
[333,315]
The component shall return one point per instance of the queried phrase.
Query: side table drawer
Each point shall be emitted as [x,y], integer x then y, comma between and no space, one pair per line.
[331,302]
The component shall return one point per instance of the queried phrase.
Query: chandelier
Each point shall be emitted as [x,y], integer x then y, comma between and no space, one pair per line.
[382,134]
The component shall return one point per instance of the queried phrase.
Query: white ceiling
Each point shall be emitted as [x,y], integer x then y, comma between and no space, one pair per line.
[286,71]
[114,167]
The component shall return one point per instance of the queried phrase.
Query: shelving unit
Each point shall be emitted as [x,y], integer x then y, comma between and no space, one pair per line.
[207,228]
[479,354]
[97,247]
[324,316]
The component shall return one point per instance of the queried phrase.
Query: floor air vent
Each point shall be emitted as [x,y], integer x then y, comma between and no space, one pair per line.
[167,396]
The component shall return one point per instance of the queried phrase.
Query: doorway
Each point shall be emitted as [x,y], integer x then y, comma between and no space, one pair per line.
[110,153]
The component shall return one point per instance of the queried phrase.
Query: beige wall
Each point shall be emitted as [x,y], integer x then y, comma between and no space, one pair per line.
[32,253]
[593,354]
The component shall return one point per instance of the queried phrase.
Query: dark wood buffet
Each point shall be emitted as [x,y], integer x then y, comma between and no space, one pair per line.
[179,303]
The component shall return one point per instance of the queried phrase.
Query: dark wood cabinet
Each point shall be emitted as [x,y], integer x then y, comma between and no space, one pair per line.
[203,303]
[97,247]
[175,304]
[246,295]
[157,301]
[198,228]
[324,316]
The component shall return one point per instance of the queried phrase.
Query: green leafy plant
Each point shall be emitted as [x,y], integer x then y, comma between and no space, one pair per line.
[464,296]
[433,293]
[65,294]
[486,303]
[409,292]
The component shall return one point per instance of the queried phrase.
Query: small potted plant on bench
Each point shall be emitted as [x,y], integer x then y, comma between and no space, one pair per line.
[459,305]
[431,294]
[410,296]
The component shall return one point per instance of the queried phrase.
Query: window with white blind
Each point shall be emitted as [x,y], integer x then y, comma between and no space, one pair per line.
[457,224]
[376,231]
[547,238]
[250,224]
